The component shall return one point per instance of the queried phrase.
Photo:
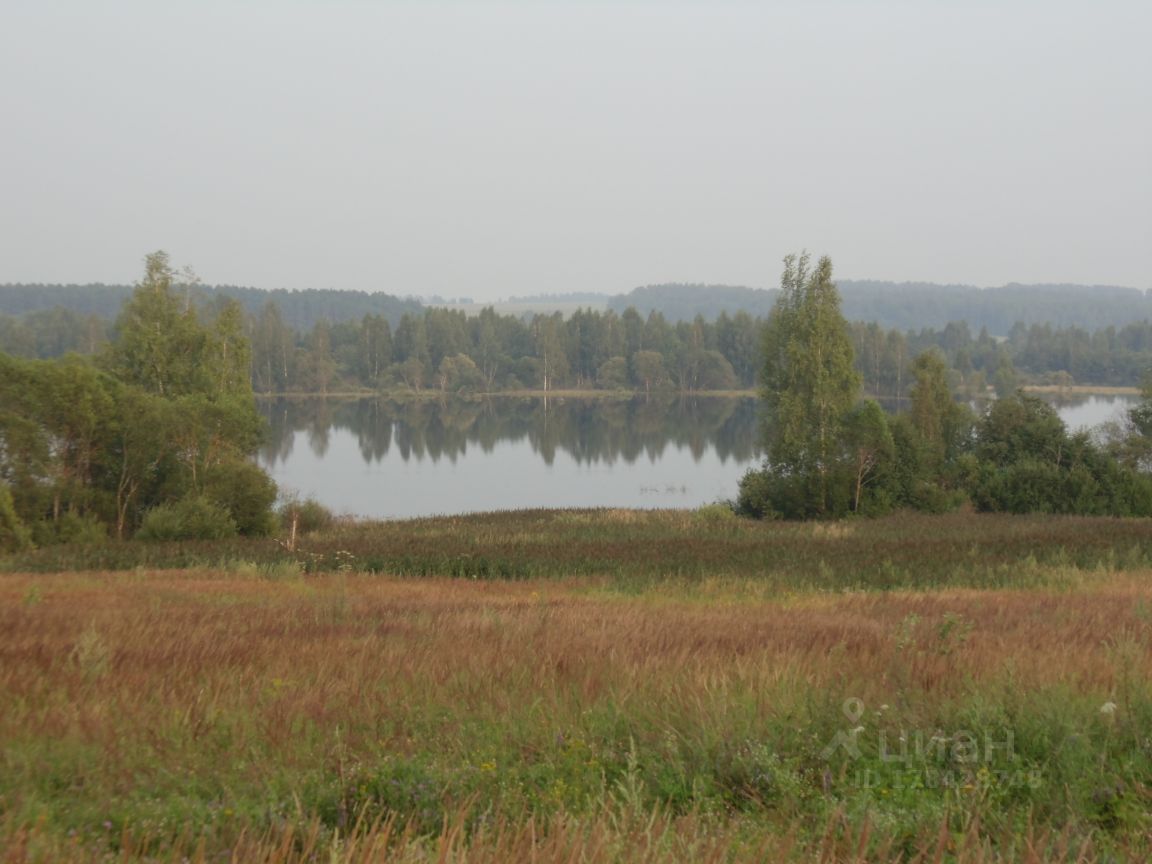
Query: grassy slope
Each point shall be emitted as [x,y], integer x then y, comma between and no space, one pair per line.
[677,664]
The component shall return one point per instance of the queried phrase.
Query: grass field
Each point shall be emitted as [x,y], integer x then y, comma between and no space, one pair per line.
[587,686]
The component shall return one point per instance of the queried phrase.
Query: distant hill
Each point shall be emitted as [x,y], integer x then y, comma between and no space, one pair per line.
[914,305]
[900,305]
[299,309]
[681,301]
[582,298]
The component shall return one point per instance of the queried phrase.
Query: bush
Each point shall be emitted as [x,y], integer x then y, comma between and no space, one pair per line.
[766,494]
[193,518]
[720,513]
[755,496]
[71,527]
[310,515]
[246,491]
[87,529]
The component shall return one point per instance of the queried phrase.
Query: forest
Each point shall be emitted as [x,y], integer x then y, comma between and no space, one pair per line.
[410,348]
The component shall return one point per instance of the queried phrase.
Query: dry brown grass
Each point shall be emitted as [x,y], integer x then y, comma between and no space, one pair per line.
[173,636]
[120,685]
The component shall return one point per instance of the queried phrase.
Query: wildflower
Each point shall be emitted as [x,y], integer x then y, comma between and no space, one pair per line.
[1108,708]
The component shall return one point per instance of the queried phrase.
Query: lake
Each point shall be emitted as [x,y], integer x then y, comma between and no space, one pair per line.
[379,458]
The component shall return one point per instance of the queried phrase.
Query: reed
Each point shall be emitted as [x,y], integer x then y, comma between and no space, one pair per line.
[633,548]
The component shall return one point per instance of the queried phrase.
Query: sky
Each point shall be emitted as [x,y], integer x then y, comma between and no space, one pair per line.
[488,150]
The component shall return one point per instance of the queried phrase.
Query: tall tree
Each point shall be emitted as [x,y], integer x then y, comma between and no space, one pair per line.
[809,383]
[870,444]
[159,341]
[374,349]
[273,351]
[937,417]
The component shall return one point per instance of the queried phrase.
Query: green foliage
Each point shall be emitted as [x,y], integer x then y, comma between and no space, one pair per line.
[70,527]
[648,369]
[942,423]
[716,515]
[613,374]
[162,347]
[1019,459]
[193,518]
[376,342]
[1004,378]
[85,451]
[765,494]
[809,386]
[1027,462]
[459,374]
[713,371]
[246,492]
[14,536]
[871,450]
[309,514]
[159,340]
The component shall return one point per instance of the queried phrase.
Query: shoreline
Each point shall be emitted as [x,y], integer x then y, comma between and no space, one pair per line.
[623,395]
[430,395]
[1081,389]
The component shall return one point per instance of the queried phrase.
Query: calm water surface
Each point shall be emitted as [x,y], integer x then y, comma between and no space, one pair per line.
[378,458]
[382,459]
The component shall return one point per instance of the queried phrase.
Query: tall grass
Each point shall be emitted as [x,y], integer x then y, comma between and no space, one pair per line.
[171,715]
[632,549]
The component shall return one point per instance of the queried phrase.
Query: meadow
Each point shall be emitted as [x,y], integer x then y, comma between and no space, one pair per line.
[586,686]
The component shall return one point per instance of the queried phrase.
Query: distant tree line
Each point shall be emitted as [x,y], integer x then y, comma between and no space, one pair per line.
[448,351]
[831,452]
[897,306]
[300,310]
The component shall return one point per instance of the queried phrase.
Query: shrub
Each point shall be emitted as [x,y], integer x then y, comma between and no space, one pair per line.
[192,518]
[246,491]
[310,515]
[71,527]
[768,494]
[720,513]
[87,529]
[754,498]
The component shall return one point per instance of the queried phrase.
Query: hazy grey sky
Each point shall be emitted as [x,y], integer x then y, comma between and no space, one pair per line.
[490,149]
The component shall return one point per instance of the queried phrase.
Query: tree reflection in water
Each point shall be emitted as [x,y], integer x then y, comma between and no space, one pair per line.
[591,431]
